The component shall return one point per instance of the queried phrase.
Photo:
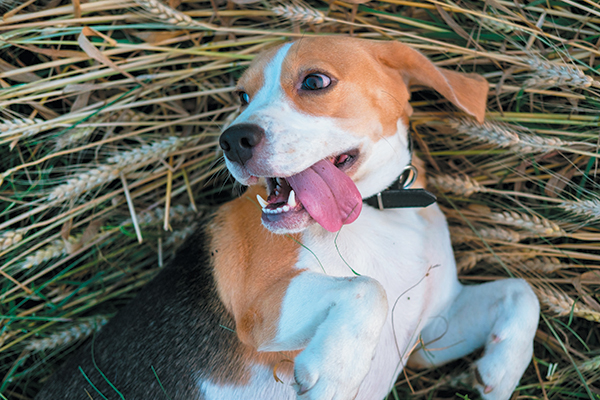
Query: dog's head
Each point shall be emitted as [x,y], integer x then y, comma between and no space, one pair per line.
[324,121]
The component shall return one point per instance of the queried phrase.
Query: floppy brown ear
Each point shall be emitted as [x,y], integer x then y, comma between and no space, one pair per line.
[466,91]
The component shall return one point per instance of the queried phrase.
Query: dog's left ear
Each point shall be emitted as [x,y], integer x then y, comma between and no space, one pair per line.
[466,91]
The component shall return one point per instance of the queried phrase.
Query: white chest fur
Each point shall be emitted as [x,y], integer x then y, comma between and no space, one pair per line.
[408,251]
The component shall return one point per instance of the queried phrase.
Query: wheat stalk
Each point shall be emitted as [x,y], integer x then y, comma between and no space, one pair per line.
[462,186]
[497,25]
[73,136]
[541,226]
[545,265]
[591,365]
[299,13]
[505,136]
[19,128]
[527,261]
[165,13]
[8,238]
[590,209]
[178,213]
[462,234]
[116,164]
[70,334]
[563,305]
[55,249]
[547,74]
[178,236]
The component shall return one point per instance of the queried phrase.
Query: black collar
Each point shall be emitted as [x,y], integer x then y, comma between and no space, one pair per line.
[397,195]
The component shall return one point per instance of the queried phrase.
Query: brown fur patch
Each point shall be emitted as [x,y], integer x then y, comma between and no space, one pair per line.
[253,267]
[253,79]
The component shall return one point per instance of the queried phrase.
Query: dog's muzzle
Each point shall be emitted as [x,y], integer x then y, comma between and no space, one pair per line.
[238,141]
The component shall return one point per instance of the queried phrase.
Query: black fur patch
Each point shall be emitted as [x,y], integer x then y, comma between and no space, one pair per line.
[177,325]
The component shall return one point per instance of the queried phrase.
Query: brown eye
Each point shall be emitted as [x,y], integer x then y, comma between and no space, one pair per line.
[315,82]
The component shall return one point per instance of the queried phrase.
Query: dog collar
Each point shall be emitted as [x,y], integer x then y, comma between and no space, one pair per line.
[402,196]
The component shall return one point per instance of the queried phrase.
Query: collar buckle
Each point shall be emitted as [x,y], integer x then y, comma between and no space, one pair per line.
[403,196]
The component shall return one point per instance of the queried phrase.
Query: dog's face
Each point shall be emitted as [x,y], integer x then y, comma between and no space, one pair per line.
[324,122]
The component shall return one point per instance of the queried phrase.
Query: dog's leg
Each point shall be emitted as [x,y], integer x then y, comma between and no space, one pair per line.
[502,316]
[338,322]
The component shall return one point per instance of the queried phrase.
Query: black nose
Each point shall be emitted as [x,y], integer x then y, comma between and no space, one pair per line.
[239,140]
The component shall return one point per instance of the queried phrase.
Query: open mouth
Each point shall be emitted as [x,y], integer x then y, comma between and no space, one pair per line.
[323,192]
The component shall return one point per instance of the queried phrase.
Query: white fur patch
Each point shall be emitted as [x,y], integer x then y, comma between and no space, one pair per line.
[262,386]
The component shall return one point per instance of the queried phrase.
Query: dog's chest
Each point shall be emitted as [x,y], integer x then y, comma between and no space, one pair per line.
[387,246]
[410,256]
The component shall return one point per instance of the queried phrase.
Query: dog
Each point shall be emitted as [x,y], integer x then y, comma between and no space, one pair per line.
[308,286]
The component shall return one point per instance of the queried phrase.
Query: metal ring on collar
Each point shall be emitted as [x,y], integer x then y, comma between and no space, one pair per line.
[411,177]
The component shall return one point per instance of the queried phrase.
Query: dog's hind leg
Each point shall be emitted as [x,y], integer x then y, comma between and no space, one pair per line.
[502,316]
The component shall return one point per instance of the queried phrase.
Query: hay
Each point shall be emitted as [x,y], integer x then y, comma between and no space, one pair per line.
[110,112]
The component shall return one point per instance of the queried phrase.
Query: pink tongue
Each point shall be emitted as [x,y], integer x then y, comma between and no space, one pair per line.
[328,194]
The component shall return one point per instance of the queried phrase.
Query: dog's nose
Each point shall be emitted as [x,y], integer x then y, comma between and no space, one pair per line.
[238,141]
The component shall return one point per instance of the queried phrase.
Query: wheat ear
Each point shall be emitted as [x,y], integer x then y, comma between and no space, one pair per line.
[178,236]
[178,213]
[532,223]
[165,13]
[73,333]
[563,305]
[73,136]
[299,13]
[463,235]
[55,249]
[25,126]
[8,238]
[462,186]
[504,136]
[116,164]
[590,209]
[547,74]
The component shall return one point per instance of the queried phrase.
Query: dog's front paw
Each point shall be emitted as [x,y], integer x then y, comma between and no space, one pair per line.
[333,373]
[339,356]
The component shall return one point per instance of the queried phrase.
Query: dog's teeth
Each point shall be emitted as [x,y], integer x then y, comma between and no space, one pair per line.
[278,181]
[277,192]
[263,203]
[292,199]
[286,208]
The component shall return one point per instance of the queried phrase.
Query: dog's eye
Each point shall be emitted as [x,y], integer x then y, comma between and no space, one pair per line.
[244,98]
[316,82]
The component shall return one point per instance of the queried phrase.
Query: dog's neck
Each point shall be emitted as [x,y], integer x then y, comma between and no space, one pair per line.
[399,194]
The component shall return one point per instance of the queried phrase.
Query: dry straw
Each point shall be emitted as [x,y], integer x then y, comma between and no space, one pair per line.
[118,163]
[184,55]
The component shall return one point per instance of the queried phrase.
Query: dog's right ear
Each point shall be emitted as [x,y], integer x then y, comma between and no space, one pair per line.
[466,91]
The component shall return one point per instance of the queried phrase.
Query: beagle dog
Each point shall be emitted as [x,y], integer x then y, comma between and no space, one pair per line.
[309,286]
